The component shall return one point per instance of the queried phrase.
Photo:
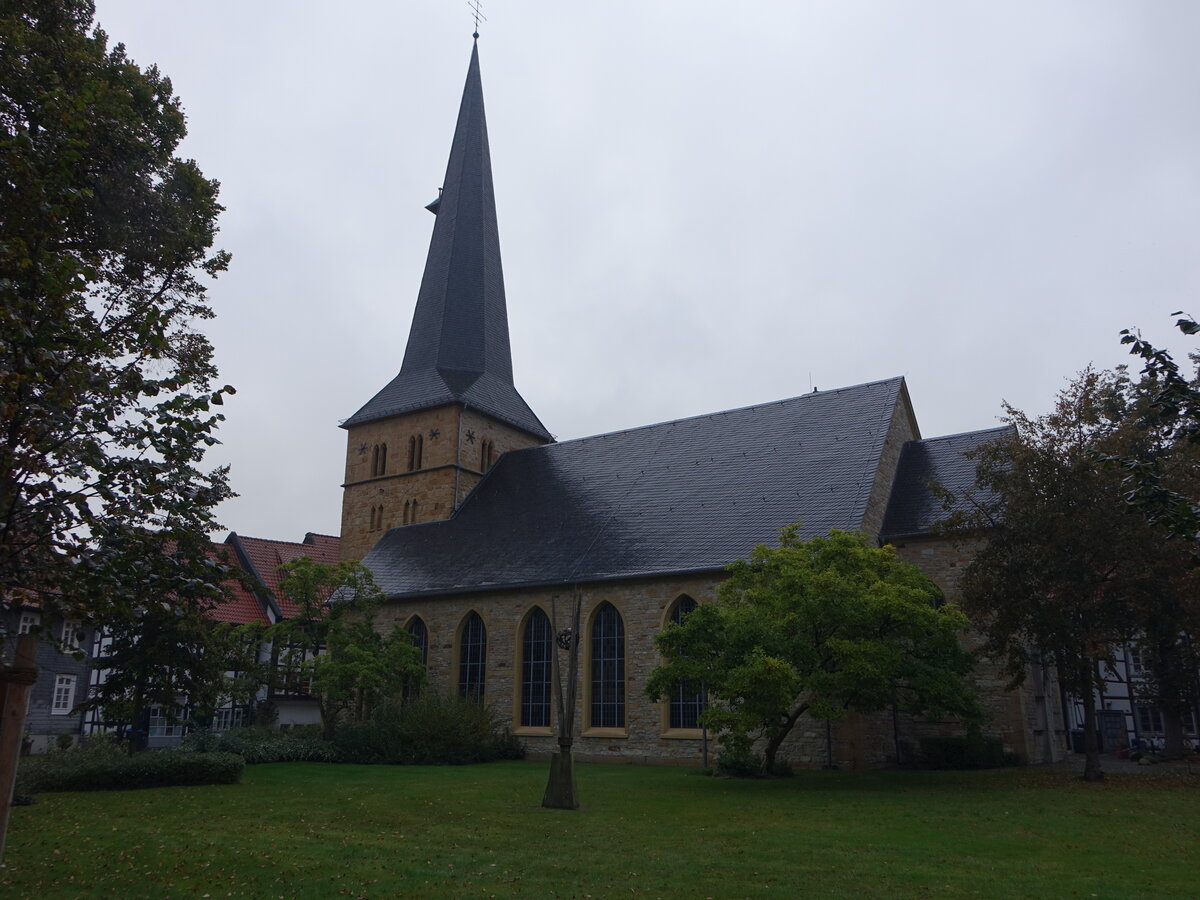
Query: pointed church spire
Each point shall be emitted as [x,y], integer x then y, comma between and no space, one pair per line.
[458,349]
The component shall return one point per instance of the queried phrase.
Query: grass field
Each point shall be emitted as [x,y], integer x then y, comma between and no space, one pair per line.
[312,830]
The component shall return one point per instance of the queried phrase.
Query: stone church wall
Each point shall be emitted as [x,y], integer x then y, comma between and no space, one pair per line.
[857,741]
[1027,718]
[900,429]
[451,439]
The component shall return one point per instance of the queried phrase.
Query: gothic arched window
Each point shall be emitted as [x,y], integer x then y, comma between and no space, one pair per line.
[608,669]
[687,700]
[472,658]
[536,650]
[420,639]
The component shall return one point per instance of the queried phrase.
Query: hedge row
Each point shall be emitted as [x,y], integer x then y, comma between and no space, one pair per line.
[429,730]
[261,745]
[88,770]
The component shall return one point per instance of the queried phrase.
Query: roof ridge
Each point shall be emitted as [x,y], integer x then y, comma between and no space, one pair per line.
[958,434]
[720,412]
[277,541]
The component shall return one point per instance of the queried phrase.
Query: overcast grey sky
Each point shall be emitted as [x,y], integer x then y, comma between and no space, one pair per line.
[701,206]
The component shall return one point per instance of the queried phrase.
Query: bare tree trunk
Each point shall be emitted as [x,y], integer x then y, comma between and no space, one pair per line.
[16,681]
[1091,744]
[562,791]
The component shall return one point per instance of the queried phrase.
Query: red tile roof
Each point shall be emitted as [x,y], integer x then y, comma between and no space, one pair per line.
[243,607]
[266,556]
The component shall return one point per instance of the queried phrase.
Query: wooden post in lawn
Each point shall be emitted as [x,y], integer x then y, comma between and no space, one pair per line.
[15,683]
[561,790]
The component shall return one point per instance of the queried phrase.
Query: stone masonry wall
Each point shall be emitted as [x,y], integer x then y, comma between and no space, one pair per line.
[644,607]
[431,486]
[450,467]
[857,741]
[474,429]
[901,428]
[1028,718]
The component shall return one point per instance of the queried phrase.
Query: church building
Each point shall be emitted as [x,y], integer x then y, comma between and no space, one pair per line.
[477,525]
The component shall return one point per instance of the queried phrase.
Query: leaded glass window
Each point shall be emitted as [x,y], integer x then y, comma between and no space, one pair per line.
[608,669]
[536,649]
[472,658]
[687,700]
[419,635]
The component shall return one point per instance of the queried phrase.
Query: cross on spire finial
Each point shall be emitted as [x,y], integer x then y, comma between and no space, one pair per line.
[477,13]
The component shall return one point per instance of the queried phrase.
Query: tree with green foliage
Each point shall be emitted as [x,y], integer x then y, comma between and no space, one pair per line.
[1066,571]
[107,391]
[1173,415]
[816,627]
[106,388]
[333,645]
[161,645]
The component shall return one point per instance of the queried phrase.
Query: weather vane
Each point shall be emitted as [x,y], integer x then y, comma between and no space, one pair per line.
[477,12]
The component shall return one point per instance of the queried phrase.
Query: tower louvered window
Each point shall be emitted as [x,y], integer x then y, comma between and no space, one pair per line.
[416,447]
[687,700]
[536,648]
[472,658]
[608,669]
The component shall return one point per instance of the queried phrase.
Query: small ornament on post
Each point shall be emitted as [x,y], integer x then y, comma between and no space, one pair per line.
[561,790]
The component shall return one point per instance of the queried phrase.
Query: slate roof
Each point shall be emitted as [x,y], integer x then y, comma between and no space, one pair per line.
[913,506]
[688,495]
[458,348]
[263,557]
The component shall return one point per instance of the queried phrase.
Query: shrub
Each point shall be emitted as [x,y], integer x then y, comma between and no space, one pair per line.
[262,745]
[738,764]
[429,730]
[101,769]
[974,751]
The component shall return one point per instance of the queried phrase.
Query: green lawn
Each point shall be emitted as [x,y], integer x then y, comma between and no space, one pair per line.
[312,830]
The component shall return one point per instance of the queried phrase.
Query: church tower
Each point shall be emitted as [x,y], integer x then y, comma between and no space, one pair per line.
[418,447]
